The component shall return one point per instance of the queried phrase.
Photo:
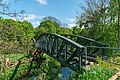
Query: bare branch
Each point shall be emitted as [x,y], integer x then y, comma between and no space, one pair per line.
[5,5]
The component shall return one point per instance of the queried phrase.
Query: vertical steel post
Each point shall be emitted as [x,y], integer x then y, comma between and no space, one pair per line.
[85,56]
[81,59]
[46,42]
[103,50]
[56,47]
[65,51]
[50,47]
[71,47]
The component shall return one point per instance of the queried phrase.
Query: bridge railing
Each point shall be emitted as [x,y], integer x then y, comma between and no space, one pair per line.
[87,42]
[112,56]
[68,52]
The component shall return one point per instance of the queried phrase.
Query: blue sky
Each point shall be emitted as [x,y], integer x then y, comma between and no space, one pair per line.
[63,10]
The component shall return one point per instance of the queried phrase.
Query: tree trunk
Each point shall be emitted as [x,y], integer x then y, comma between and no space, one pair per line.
[4,68]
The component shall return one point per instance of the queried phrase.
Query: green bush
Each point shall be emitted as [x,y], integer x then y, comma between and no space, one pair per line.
[94,73]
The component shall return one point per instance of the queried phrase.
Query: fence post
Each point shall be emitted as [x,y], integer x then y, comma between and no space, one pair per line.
[85,55]
[81,59]
[103,50]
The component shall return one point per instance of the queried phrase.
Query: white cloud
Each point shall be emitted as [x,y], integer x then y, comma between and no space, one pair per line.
[41,17]
[42,1]
[70,19]
[36,23]
[30,17]
[13,18]
[71,25]
[33,17]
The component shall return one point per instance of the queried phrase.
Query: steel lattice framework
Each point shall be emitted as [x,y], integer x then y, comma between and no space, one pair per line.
[70,50]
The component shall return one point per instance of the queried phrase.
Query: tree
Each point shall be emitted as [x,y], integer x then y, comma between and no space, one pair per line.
[48,25]
[15,36]
[8,40]
[94,14]
[99,19]
[5,10]
[114,17]
[118,23]
[53,19]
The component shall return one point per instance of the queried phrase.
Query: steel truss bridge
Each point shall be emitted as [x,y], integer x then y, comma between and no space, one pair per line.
[71,50]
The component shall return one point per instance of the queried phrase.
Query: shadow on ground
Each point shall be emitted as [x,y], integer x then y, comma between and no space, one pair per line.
[27,73]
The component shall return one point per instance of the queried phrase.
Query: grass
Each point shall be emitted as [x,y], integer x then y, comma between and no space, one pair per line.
[44,69]
[12,58]
[16,57]
[48,69]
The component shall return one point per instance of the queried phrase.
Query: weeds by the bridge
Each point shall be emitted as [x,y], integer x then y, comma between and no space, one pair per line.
[44,68]
[48,69]
[102,70]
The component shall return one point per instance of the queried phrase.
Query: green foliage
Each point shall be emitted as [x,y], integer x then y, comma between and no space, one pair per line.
[53,27]
[77,31]
[100,71]
[64,31]
[49,69]
[94,73]
[12,58]
[111,66]
[45,26]
[46,69]
[15,36]
[100,22]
